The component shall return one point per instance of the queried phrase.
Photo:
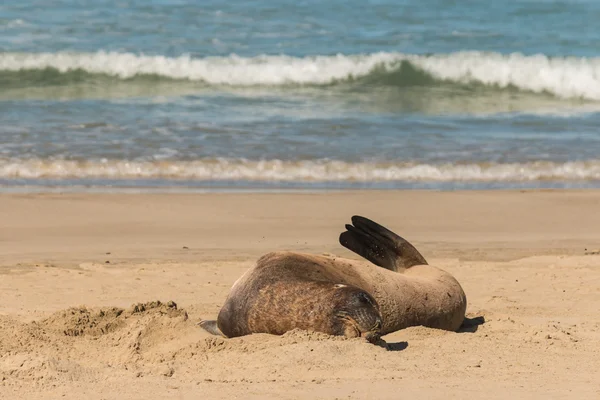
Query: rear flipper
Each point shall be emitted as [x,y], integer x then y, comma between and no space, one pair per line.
[211,327]
[380,245]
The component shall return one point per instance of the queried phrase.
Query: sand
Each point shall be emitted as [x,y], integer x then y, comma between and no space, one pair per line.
[100,295]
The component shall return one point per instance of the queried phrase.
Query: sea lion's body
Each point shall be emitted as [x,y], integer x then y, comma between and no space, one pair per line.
[287,290]
[275,297]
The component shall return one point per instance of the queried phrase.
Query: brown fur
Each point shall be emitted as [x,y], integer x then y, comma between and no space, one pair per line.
[287,290]
[272,299]
[420,295]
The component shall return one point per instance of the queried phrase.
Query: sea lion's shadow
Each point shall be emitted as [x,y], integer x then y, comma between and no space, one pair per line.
[470,325]
[398,346]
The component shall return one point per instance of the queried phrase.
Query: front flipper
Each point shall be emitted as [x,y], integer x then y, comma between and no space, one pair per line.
[211,327]
[380,245]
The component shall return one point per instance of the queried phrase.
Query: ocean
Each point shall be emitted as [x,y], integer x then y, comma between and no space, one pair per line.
[278,94]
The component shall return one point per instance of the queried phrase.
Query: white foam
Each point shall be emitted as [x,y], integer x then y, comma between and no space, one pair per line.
[564,77]
[298,171]
[14,23]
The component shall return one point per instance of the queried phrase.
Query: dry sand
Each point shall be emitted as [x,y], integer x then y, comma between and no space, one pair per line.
[73,267]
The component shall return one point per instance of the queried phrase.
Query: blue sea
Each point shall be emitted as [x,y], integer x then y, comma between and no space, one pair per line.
[256,95]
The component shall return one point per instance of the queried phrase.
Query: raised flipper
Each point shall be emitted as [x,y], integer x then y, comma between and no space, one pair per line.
[380,245]
[211,327]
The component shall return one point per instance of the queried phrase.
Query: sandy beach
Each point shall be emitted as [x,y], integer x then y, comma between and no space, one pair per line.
[82,275]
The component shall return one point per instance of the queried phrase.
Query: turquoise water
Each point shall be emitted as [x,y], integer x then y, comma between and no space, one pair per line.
[282,94]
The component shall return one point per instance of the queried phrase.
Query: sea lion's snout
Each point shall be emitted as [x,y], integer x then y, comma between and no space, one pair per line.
[374,334]
[361,315]
[372,337]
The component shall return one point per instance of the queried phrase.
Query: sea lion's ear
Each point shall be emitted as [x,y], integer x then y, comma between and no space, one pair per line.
[380,245]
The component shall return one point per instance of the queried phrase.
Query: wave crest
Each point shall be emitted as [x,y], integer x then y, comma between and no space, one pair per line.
[568,77]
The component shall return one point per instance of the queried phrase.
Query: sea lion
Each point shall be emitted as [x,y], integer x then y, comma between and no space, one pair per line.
[338,296]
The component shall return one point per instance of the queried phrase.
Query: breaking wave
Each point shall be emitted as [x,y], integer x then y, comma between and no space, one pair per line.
[298,171]
[563,77]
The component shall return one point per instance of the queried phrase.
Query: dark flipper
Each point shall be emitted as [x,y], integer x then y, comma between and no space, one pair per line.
[380,245]
[211,327]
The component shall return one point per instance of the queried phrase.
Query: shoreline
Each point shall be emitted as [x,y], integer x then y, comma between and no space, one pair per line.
[185,186]
[76,226]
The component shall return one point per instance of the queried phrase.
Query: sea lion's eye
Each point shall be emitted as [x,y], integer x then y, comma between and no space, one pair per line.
[363,298]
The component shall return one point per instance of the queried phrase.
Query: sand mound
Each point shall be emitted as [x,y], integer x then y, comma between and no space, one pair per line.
[95,337]
[158,338]
[78,321]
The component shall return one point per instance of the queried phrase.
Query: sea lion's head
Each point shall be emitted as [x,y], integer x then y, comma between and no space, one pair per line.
[356,313]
